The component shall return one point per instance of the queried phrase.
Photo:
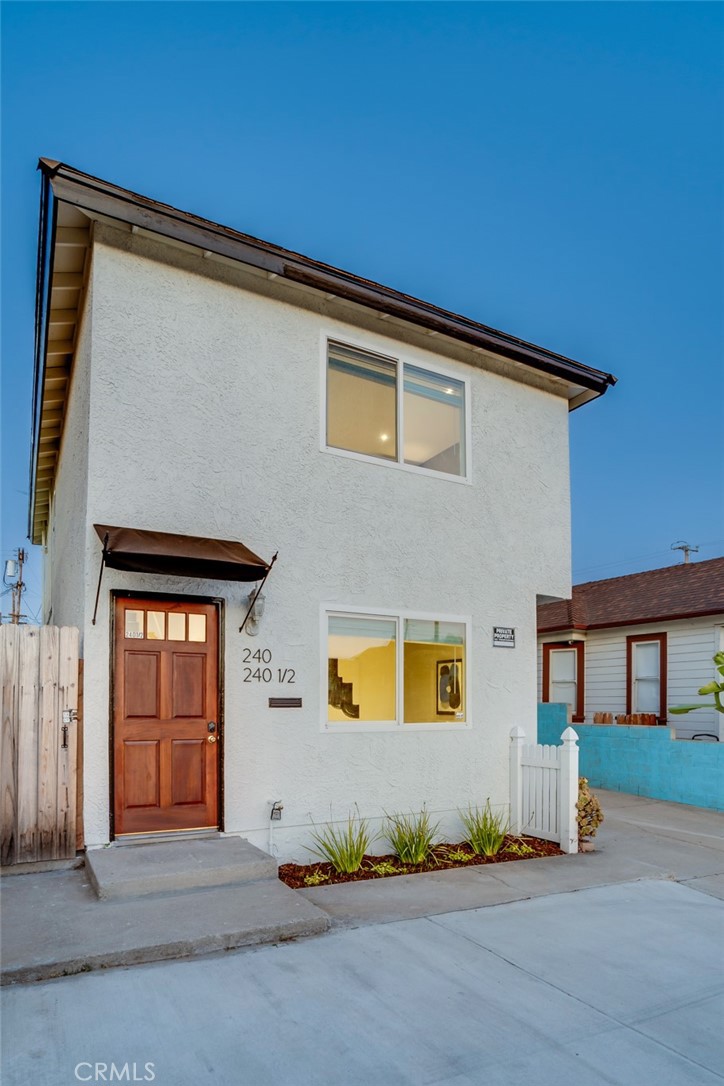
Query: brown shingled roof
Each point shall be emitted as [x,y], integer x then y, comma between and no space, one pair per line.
[681,591]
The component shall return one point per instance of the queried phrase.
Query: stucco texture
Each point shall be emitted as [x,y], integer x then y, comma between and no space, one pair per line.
[204,418]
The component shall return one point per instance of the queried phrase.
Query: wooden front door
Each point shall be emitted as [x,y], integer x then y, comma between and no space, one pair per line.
[165,715]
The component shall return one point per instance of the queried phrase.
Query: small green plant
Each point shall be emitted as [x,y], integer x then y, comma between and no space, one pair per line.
[458,856]
[343,847]
[385,867]
[590,815]
[519,848]
[316,878]
[485,829]
[411,836]
[714,687]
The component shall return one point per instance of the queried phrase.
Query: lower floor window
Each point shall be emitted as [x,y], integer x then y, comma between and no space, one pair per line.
[395,669]
[564,676]
[646,674]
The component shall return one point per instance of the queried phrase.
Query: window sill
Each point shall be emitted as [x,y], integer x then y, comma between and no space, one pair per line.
[341,727]
[413,468]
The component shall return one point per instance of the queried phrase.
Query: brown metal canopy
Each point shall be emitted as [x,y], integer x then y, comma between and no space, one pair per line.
[141,551]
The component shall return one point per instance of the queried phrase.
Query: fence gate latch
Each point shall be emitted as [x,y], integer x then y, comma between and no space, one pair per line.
[69,716]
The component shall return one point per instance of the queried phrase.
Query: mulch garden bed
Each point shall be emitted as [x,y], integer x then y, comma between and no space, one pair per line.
[442,857]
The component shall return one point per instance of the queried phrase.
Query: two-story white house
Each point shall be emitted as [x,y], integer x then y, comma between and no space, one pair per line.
[205,401]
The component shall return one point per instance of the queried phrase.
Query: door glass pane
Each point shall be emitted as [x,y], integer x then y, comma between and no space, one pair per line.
[434,671]
[563,665]
[197,627]
[434,419]
[362,664]
[176,626]
[155,625]
[646,660]
[361,402]
[134,624]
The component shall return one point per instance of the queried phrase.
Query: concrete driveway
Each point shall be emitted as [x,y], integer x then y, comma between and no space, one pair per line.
[614,984]
[579,971]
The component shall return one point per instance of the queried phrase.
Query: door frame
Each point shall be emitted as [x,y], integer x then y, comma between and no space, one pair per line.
[219,603]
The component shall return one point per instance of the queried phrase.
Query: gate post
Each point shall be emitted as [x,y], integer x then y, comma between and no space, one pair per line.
[517,738]
[568,791]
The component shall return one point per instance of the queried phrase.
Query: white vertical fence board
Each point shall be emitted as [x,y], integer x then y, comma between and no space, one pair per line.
[544,787]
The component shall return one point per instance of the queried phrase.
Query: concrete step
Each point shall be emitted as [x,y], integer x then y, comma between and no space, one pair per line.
[175,866]
[55,926]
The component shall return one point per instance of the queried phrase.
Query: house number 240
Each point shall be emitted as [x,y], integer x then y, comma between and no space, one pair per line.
[261,674]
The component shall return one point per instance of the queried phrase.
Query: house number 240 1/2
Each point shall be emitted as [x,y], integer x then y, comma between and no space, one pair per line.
[260,674]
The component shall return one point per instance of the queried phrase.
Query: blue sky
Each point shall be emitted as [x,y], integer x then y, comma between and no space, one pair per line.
[554,170]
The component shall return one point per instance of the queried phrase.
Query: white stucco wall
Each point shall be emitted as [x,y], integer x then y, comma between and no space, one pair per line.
[205,419]
[691,643]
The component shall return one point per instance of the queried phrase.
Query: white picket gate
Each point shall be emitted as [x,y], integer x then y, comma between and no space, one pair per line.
[544,789]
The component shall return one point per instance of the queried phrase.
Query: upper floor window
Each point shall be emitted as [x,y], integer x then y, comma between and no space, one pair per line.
[390,410]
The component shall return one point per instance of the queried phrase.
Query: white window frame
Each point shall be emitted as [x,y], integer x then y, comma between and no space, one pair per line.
[329,610]
[401,358]
[574,682]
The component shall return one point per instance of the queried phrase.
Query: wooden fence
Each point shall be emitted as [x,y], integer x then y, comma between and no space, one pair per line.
[39,673]
[544,789]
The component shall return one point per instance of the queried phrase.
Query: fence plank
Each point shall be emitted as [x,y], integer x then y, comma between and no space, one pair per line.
[79,825]
[48,731]
[67,755]
[27,725]
[9,744]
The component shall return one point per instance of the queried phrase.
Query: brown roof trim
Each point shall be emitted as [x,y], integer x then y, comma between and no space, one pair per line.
[93,194]
[633,621]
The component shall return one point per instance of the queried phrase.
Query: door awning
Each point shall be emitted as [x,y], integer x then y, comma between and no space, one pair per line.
[140,551]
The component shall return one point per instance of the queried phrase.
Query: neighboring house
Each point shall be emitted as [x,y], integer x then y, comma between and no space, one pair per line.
[636,644]
[203,398]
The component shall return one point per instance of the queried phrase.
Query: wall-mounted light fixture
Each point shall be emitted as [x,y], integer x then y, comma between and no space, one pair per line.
[256,601]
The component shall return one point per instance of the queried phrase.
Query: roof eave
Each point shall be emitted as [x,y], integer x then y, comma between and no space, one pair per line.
[93,194]
[680,617]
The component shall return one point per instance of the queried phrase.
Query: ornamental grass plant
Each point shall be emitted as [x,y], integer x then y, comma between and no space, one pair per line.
[412,837]
[344,846]
[485,830]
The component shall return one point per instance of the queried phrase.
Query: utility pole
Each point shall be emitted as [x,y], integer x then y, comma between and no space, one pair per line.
[682,545]
[12,569]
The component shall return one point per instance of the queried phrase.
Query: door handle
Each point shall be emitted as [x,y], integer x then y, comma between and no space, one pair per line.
[212,738]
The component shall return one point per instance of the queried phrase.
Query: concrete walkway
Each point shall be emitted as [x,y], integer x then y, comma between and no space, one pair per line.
[53,925]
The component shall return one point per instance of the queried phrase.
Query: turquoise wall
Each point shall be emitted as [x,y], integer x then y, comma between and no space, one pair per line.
[642,761]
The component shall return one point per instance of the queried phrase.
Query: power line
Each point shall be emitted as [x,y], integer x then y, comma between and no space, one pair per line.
[639,558]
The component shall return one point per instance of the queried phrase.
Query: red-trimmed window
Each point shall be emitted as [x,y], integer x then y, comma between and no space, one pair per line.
[564,675]
[646,674]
